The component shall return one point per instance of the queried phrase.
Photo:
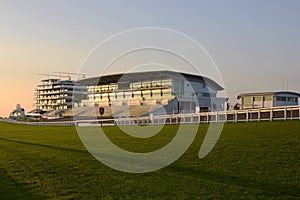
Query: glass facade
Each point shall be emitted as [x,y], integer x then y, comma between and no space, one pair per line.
[247,101]
[292,99]
[159,91]
[279,98]
[178,87]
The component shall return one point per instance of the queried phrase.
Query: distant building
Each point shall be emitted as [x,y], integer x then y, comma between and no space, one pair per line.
[17,113]
[35,114]
[268,99]
[54,94]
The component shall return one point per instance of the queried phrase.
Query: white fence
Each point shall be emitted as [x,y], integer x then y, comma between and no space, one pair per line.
[263,114]
[56,123]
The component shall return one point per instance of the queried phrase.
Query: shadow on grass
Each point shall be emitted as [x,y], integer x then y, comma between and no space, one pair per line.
[47,146]
[272,189]
[11,189]
[115,158]
[220,178]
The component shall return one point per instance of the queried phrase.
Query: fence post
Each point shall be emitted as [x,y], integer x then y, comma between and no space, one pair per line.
[236,116]
[271,114]
[207,117]
[247,116]
[285,114]
[258,115]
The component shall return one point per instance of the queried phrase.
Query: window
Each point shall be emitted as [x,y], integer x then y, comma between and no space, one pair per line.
[167,83]
[279,98]
[156,93]
[213,94]
[123,86]
[205,94]
[146,84]
[247,100]
[257,98]
[136,85]
[268,98]
[292,99]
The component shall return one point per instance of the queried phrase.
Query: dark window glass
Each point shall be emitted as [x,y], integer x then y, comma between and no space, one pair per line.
[292,99]
[280,98]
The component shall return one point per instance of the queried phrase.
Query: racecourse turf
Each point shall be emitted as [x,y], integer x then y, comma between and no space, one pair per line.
[257,160]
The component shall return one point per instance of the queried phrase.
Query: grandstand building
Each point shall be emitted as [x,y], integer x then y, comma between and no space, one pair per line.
[268,99]
[176,92]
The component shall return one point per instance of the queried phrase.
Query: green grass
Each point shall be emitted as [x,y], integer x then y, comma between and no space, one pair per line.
[251,160]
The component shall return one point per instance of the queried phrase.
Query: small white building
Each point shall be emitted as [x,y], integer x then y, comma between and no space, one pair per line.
[268,99]
[17,113]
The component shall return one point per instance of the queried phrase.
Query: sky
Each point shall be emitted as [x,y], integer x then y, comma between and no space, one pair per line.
[255,44]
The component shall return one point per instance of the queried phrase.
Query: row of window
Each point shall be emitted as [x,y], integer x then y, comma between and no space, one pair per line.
[136,94]
[52,91]
[54,101]
[101,88]
[289,99]
[205,94]
[177,85]
[149,84]
[135,85]
[249,100]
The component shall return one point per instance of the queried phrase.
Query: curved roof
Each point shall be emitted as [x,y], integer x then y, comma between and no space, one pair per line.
[146,76]
[268,93]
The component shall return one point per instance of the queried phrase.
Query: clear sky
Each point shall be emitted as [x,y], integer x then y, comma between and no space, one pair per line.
[256,44]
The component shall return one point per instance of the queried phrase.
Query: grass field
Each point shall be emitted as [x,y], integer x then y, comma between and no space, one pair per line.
[256,160]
